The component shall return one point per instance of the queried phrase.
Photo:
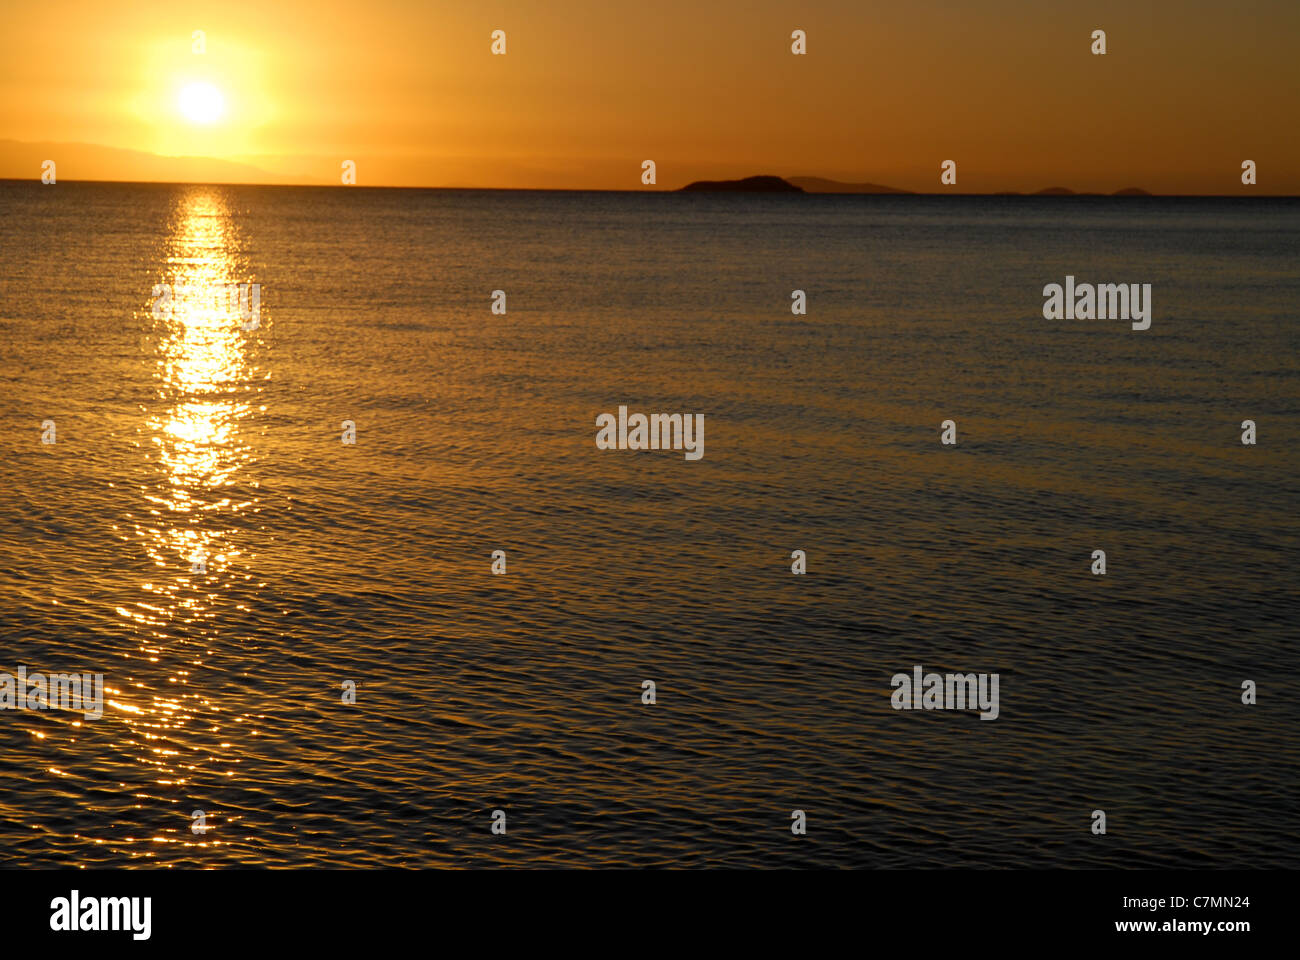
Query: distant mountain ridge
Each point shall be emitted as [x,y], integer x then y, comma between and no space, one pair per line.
[759,184]
[772,184]
[87,161]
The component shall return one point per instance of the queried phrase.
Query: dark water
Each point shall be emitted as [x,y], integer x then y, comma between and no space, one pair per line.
[327,562]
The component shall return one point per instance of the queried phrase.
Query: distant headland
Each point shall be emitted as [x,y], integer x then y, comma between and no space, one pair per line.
[761,184]
[773,184]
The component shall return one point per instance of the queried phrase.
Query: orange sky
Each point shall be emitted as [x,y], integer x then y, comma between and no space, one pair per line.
[587,90]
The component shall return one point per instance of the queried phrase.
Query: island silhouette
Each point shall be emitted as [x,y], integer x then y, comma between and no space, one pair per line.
[768,183]
[759,184]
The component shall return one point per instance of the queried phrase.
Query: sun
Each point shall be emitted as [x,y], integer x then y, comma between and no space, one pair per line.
[201,103]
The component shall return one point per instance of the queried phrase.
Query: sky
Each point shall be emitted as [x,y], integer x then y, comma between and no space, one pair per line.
[589,89]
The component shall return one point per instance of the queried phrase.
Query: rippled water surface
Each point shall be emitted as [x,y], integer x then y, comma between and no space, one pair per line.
[189,437]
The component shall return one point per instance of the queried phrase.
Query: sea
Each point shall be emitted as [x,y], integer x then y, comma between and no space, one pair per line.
[365,592]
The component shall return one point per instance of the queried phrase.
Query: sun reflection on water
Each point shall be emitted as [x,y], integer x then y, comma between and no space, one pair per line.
[194,437]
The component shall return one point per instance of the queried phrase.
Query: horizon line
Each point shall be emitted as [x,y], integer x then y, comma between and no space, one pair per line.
[891,192]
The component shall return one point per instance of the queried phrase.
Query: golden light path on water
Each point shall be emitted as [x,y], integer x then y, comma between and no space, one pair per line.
[196,483]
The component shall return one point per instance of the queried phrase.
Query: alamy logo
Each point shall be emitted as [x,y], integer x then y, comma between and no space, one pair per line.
[183,300]
[1103,301]
[103,913]
[658,431]
[953,691]
[82,692]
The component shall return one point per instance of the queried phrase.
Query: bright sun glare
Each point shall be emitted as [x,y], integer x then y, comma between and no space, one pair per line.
[201,103]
